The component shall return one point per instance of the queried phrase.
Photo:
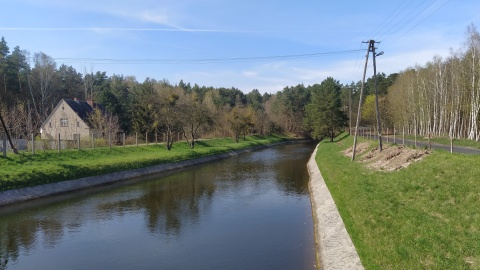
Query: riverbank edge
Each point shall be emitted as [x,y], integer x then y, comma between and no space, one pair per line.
[14,196]
[334,247]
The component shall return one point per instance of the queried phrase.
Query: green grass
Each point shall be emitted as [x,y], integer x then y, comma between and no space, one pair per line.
[423,217]
[26,169]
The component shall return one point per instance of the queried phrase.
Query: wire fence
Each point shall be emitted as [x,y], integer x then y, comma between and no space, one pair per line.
[392,136]
[34,143]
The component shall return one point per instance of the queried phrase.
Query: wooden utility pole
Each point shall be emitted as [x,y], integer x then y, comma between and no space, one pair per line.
[8,135]
[379,126]
[371,48]
[350,111]
[360,106]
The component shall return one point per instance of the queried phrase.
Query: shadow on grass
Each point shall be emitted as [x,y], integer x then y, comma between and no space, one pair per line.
[337,139]
[341,137]
[202,143]
[19,158]
[258,137]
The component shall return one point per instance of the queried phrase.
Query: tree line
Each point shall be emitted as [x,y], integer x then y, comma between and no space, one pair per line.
[440,98]
[32,86]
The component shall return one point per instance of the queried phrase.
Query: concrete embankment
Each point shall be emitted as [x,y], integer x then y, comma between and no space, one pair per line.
[334,247]
[29,193]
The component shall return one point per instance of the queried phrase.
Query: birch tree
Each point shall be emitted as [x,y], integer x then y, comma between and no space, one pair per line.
[42,80]
[472,69]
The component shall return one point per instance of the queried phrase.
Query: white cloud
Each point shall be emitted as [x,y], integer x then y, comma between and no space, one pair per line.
[250,74]
[155,17]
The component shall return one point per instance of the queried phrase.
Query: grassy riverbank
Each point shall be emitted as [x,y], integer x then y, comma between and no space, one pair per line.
[24,170]
[424,216]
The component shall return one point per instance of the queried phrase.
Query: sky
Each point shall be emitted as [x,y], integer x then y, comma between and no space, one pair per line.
[249,44]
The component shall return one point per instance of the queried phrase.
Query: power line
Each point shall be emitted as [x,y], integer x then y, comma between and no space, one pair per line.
[426,17]
[397,26]
[390,18]
[357,66]
[171,61]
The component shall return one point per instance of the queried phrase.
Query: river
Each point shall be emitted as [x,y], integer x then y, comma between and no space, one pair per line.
[250,211]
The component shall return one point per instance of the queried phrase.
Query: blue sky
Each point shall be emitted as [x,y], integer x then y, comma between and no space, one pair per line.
[165,39]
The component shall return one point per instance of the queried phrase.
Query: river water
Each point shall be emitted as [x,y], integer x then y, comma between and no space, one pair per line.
[250,211]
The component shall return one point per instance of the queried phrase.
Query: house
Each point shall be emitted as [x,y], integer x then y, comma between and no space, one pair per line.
[69,118]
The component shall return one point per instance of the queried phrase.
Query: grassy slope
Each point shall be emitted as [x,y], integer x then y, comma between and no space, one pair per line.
[425,216]
[46,167]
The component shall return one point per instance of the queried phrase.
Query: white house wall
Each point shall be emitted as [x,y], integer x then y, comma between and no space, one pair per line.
[52,127]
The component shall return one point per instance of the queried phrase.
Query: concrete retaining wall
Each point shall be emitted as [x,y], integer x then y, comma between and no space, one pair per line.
[335,249]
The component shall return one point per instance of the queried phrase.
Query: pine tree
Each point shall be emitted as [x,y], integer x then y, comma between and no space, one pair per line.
[325,117]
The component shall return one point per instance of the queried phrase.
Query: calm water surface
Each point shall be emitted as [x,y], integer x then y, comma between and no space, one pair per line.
[246,212]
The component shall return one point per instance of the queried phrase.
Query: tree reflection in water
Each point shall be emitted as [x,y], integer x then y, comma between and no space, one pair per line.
[167,204]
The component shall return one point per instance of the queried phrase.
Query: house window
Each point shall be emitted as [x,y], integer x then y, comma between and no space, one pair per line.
[50,124]
[78,124]
[63,122]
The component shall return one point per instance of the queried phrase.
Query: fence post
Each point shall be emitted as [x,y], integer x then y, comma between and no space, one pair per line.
[93,141]
[415,137]
[136,139]
[59,146]
[33,143]
[403,136]
[4,145]
[123,139]
[388,132]
[429,144]
[156,138]
[109,139]
[146,137]
[451,144]
[394,141]
[78,139]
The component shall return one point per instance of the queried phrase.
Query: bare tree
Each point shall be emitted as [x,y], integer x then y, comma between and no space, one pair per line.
[472,59]
[168,111]
[193,116]
[42,80]
[103,122]
[88,82]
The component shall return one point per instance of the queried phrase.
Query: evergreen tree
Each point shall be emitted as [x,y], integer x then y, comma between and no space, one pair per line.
[324,114]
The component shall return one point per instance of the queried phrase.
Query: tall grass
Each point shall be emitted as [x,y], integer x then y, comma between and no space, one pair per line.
[424,216]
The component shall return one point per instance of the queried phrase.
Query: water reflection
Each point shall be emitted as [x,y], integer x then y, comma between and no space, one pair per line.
[180,205]
[168,203]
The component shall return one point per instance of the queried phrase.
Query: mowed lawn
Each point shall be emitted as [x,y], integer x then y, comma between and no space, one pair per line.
[426,216]
[50,166]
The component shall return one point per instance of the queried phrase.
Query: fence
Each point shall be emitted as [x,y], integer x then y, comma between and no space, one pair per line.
[391,136]
[91,141]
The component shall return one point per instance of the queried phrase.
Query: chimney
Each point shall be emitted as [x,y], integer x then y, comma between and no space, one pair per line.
[90,102]
[75,99]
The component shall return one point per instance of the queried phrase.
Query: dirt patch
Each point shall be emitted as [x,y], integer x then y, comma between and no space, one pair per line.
[392,157]
[361,148]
